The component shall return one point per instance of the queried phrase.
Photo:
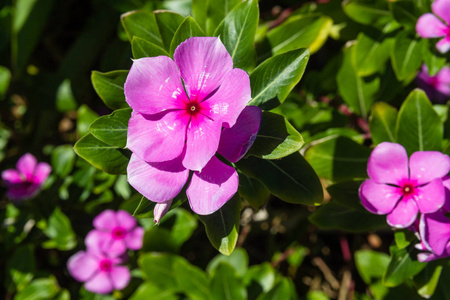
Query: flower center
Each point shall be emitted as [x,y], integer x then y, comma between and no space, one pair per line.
[118,233]
[193,108]
[408,189]
[105,265]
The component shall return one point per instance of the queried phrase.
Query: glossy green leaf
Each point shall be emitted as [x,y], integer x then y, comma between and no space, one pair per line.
[368,12]
[5,79]
[143,48]
[432,58]
[226,285]
[280,291]
[222,226]
[419,127]
[39,289]
[215,12]
[346,193]
[187,29]
[401,267]
[263,274]
[238,260]
[371,265]
[338,159]
[149,290]
[199,12]
[59,230]
[191,280]
[405,12]
[63,159]
[370,54]
[276,138]
[237,32]
[21,267]
[357,92]
[158,268]
[85,117]
[168,23]
[253,191]
[427,281]
[142,24]
[112,129]
[406,55]
[109,87]
[108,158]
[382,123]
[291,178]
[277,76]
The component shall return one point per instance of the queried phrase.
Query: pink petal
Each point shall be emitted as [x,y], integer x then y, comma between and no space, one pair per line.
[232,96]
[446,183]
[135,238]
[105,220]
[435,231]
[211,188]
[444,75]
[427,256]
[388,163]
[443,45]
[202,141]
[429,26]
[125,219]
[41,173]
[22,191]
[159,137]
[379,198]
[101,283]
[204,62]
[120,277]
[426,166]
[235,141]
[101,242]
[160,210]
[442,9]
[82,265]
[11,177]
[404,214]
[431,197]
[26,165]
[154,85]
[158,182]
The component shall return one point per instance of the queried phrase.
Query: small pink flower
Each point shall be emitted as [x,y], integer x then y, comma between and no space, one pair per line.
[25,181]
[401,189]
[100,271]
[430,26]
[115,232]
[180,106]
[437,87]
[209,189]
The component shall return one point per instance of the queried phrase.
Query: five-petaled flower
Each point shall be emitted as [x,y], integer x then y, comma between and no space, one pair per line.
[437,87]
[430,26]
[25,181]
[401,189]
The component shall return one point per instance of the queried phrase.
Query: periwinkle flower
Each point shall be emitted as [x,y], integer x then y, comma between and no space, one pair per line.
[180,106]
[430,26]
[400,188]
[435,236]
[115,232]
[437,87]
[26,180]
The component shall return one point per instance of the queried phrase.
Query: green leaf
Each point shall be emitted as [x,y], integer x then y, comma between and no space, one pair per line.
[21,267]
[158,268]
[107,158]
[191,280]
[357,92]
[39,289]
[368,12]
[149,290]
[65,100]
[370,54]
[371,265]
[222,226]
[280,291]
[226,285]
[215,12]
[238,260]
[263,274]
[433,59]
[187,29]
[5,79]
[60,232]
[63,158]
[277,76]
[276,138]
[418,127]
[406,56]
[143,48]
[237,32]
[142,24]
[401,267]
[346,193]
[168,23]
[85,117]
[382,123]
[112,129]
[109,87]
[427,281]
[406,13]
[253,191]
[338,159]
[291,178]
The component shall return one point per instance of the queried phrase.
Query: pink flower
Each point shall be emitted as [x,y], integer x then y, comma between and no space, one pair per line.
[435,236]
[25,181]
[437,87]
[115,232]
[401,190]
[209,189]
[180,106]
[100,271]
[430,26]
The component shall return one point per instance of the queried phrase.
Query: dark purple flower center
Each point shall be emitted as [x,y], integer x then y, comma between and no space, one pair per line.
[193,108]
[408,189]
[105,265]
[118,233]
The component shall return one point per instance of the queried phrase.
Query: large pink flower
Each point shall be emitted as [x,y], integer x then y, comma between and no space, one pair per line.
[430,26]
[401,189]
[437,87]
[115,232]
[25,181]
[209,189]
[180,106]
